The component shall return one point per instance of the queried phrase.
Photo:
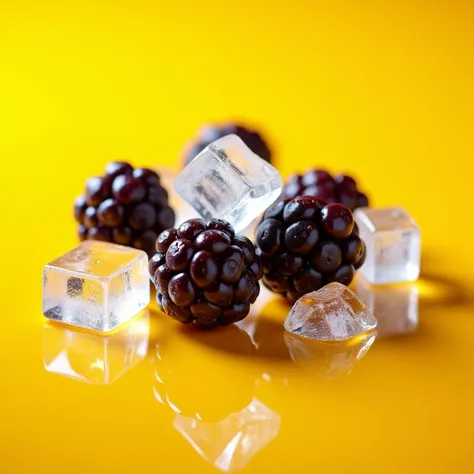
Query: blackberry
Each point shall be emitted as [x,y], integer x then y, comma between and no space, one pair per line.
[305,243]
[126,206]
[211,133]
[205,274]
[319,183]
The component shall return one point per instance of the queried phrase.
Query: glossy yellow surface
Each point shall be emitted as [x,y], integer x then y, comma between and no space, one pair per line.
[383,90]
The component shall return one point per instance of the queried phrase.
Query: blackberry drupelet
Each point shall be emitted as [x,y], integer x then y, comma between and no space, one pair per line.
[211,133]
[319,183]
[205,274]
[127,206]
[305,244]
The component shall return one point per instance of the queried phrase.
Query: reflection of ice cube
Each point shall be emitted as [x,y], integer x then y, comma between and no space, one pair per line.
[394,306]
[228,181]
[97,285]
[328,359]
[94,358]
[393,244]
[332,313]
[231,443]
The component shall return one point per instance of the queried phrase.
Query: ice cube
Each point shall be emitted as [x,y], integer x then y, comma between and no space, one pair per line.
[228,181]
[97,285]
[95,358]
[333,313]
[395,306]
[229,444]
[393,244]
[183,210]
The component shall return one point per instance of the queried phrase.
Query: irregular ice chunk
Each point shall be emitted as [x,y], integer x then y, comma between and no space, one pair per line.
[333,313]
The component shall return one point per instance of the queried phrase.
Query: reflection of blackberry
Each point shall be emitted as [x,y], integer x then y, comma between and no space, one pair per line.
[126,206]
[205,274]
[305,244]
[211,133]
[203,388]
[319,183]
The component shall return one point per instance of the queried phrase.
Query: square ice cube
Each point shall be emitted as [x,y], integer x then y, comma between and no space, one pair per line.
[228,181]
[393,243]
[395,306]
[97,285]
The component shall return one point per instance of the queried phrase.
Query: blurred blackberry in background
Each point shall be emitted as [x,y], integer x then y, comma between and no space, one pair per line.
[305,244]
[127,206]
[205,274]
[211,133]
[321,184]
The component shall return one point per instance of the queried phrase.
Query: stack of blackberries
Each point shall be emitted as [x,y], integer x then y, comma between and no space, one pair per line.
[211,133]
[319,183]
[205,274]
[305,244]
[126,206]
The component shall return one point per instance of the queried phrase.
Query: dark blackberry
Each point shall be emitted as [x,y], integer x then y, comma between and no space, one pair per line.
[305,244]
[205,274]
[211,133]
[126,206]
[319,183]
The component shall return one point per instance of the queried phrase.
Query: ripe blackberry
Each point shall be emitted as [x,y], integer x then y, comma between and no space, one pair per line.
[205,274]
[305,244]
[319,183]
[126,206]
[211,133]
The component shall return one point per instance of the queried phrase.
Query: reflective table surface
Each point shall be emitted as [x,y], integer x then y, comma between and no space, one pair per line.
[382,91]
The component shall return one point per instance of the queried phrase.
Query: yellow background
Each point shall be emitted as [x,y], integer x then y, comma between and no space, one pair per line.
[383,90]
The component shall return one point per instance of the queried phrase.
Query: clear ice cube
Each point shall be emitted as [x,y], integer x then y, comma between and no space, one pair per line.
[97,285]
[95,358]
[183,210]
[395,306]
[393,242]
[333,313]
[228,181]
[229,444]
